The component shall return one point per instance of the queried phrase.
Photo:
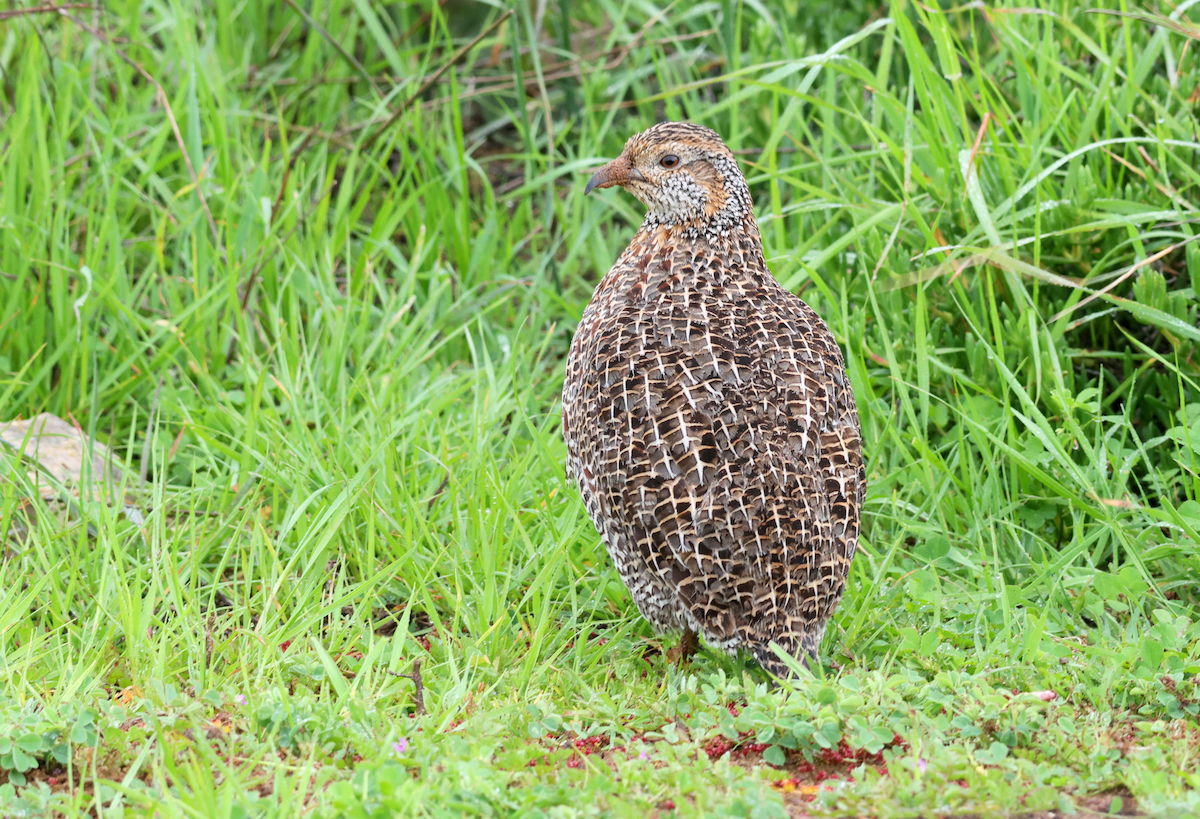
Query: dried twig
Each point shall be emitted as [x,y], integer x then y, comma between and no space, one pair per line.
[1132,269]
[438,493]
[284,82]
[283,185]
[418,686]
[209,625]
[8,15]
[1162,21]
[1165,190]
[336,137]
[987,117]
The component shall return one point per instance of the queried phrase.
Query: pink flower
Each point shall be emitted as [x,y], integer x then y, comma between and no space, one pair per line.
[922,764]
[642,755]
[400,745]
[240,699]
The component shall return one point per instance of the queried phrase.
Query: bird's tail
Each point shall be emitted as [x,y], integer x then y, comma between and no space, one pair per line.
[801,646]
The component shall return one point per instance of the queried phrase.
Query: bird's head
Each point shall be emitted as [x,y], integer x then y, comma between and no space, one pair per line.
[684,175]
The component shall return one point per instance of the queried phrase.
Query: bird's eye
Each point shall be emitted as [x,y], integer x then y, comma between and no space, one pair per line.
[669,161]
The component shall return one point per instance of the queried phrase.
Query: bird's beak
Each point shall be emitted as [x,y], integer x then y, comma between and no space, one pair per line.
[617,172]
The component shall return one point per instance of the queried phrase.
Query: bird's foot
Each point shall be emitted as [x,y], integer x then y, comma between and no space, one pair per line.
[685,649]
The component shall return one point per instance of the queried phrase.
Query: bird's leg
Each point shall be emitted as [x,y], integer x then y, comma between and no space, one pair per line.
[688,645]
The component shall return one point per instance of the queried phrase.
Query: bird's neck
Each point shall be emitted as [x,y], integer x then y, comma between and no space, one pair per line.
[739,243]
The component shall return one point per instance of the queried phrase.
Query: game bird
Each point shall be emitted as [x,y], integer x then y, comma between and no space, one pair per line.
[709,420]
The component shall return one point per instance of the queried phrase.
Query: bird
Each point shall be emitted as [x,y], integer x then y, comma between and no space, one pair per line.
[709,420]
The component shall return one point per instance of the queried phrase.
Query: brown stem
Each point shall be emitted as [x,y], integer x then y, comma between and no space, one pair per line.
[8,15]
[418,686]
[688,645]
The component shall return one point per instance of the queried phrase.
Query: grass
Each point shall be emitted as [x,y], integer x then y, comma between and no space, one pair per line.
[310,271]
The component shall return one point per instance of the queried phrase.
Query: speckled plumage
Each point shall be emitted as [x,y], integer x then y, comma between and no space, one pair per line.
[709,421]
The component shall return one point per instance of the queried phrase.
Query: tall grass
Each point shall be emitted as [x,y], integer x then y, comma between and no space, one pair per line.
[311,268]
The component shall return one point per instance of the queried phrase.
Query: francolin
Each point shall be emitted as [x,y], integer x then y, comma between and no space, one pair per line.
[709,421]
